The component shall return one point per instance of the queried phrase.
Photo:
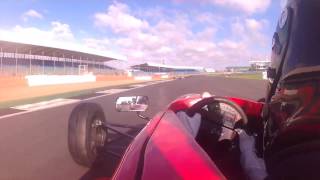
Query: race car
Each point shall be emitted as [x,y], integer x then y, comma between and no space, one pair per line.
[174,144]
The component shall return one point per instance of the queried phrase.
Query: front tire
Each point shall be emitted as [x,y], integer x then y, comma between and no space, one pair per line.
[86,133]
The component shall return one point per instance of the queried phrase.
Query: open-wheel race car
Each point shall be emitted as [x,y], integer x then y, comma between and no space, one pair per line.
[193,138]
[201,136]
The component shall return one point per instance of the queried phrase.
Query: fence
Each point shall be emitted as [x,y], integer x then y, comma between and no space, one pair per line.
[22,65]
[172,73]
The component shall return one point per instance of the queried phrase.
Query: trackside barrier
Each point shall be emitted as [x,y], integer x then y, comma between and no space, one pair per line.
[264,75]
[143,78]
[12,81]
[165,76]
[40,80]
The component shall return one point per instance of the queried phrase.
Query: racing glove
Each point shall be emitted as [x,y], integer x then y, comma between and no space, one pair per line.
[253,166]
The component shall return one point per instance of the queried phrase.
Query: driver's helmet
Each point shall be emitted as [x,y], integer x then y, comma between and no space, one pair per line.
[292,128]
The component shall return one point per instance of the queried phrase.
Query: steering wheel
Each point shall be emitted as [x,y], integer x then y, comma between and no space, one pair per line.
[243,119]
[221,144]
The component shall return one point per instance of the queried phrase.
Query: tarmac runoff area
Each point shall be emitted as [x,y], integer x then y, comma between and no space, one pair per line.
[33,137]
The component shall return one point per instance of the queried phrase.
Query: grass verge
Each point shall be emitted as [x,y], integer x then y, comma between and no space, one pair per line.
[8,104]
[256,76]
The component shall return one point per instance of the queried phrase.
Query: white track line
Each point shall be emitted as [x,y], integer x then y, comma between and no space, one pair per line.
[138,85]
[111,91]
[46,104]
[88,99]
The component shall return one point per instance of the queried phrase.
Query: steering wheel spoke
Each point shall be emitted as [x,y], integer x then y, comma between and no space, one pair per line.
[223,113]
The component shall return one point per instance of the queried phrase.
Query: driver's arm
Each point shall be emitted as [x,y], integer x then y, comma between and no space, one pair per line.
[191,123]
[253,166]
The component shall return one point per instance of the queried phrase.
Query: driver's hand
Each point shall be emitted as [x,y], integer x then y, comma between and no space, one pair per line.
[253,166]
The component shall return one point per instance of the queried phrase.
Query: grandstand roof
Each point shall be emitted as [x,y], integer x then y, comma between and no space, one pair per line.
[22,48]
[168,66]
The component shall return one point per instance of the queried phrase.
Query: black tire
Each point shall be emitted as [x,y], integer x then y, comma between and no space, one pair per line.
[86,133]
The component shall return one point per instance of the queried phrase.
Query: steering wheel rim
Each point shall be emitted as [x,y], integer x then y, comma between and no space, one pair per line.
[205,101]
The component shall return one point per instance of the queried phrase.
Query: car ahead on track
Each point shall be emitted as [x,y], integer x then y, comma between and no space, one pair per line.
[174,144]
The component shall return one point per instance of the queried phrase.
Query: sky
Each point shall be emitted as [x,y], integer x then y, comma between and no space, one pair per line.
[208,33]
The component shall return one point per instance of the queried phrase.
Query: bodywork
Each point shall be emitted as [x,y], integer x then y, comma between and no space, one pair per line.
[164,149]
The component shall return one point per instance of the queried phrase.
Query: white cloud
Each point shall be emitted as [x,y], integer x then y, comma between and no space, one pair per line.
[248,6]
[177,37]
[209,18]
[61,31]
[251,31]
[98,44]
[119,19]
[207,33]
[31,14]
[173,38]
[59,35]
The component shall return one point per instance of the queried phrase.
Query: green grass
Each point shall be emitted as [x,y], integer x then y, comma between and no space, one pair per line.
[256,76]
[212,74]
[8,104]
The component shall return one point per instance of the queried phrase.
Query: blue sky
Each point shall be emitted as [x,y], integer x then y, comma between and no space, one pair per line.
[211,33]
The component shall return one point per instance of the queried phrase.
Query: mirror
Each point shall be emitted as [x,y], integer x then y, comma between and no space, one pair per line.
[132,103]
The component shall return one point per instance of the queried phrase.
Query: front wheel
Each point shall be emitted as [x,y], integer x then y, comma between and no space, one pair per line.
[86,133]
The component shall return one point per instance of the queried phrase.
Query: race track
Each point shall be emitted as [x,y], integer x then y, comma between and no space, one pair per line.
[34,144]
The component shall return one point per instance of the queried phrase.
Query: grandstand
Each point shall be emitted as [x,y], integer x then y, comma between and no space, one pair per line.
[259,65]
[237,69]
[255,66]
[163,68]
[26,59]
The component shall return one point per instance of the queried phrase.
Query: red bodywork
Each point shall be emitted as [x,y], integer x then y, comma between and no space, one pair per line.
[165,150]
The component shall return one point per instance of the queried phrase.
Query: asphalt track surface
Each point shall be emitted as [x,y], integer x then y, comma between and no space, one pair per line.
[34,144]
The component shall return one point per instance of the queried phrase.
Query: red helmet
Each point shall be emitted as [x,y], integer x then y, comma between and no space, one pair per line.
[292,127]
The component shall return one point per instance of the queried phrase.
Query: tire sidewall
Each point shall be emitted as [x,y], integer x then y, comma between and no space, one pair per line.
[79,132]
